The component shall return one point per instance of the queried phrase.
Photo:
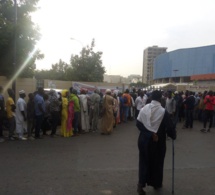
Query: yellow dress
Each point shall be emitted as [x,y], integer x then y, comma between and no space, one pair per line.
[64,116]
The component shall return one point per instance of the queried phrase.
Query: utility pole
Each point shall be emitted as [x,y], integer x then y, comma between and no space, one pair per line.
[15,47]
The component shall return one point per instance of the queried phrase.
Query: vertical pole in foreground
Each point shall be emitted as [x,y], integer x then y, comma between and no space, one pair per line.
[14,54]
[173,165]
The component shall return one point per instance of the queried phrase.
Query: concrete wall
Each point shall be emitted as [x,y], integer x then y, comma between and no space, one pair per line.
[4,83]
[29,85]
[67,84]
[57,84]
[26,84]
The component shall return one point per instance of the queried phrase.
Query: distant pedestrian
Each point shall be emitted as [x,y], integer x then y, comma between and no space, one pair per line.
[140,102]
[209,102]
[94,109]
[10,109]
[121,105]
[85,126]
[126,105]
[65,131]
[170,104]
[107,121]
[21,115]
[189,109]
[39,111]
[55,111]
[115,109]
[74,98]
[30,116]
[46,124]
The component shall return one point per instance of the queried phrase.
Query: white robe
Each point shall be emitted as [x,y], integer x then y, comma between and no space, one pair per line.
[151,115]
[84,113]
[20,123]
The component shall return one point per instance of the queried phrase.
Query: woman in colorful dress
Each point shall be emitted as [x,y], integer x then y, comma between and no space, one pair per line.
[65,130]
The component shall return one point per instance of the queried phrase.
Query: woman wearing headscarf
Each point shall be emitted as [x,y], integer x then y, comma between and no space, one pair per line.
[75,110]
[54,109]
[115,110]
[153,123]
[65,131]
[85,126]
[108,117]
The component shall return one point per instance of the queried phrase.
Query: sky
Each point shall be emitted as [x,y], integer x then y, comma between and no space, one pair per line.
[122,29]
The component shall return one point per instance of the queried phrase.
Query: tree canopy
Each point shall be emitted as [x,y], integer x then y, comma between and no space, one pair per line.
[57,72]
[87,66]
[18,37]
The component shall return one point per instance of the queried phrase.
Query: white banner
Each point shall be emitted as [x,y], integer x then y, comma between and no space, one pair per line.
[90,88]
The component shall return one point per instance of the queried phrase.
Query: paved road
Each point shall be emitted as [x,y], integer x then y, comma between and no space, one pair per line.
[93,164]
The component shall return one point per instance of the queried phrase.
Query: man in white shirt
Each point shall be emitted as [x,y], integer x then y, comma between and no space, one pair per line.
[140,102]
[21,115]
[170,104]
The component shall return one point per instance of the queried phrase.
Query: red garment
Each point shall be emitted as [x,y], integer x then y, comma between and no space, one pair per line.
[209,102]
[128,99]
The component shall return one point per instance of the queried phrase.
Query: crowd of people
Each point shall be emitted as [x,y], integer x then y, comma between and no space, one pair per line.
[77,113]
[157,120]
[156,114]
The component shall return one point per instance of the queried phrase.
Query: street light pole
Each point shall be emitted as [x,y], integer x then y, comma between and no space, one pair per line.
[77,41]
[15,47]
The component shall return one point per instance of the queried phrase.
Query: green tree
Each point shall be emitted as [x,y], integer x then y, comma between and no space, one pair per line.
[87,66]
[59,71]
[25,35]
[42,74]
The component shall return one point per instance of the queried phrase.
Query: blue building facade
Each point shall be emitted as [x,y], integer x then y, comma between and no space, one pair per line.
[185,63]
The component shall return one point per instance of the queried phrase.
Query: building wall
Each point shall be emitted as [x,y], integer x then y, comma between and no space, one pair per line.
[26,84]
[30,85]
[56,84]
[149,55]
[185,62]
[115,79]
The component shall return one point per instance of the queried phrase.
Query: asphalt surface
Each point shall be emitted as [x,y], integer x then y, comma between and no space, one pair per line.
[94,164]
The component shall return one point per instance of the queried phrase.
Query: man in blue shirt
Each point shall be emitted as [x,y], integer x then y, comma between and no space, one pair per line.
[39,111]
